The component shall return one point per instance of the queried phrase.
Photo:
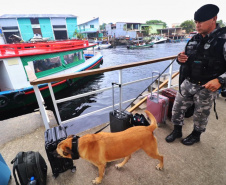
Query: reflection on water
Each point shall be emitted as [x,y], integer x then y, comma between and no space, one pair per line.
[76,107]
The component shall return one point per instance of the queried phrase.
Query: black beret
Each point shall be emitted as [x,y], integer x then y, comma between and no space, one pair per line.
[206,12]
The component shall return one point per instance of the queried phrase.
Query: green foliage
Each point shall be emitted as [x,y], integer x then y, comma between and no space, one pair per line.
[146,30]
[156,21]
[188,25]
[103,26]
[78,35]
[221,23]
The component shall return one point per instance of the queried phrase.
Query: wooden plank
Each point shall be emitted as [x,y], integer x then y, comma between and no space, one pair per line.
[31,75]
[145,98]
[96,71]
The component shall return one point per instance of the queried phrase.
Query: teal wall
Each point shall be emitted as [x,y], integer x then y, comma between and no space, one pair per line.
[25,28]
[71,26]
[46,28]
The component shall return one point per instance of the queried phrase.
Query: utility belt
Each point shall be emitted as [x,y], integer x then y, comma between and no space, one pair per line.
[197,82]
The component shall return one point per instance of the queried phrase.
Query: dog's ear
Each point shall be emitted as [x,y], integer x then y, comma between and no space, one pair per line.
[70,136]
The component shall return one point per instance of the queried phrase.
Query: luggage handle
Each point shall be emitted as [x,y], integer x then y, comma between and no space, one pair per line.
[113,83]
[157,72]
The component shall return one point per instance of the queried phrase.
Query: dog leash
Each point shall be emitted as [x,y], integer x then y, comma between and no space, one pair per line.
[102,128]
[153,81]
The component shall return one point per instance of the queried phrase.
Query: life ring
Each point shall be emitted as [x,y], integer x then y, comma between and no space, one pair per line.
[19,97]
[4,101]
[69,82]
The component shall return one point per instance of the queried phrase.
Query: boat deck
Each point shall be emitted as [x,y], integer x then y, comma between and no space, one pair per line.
[203,163]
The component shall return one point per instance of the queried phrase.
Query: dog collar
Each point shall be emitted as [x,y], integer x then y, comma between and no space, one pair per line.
[75,154]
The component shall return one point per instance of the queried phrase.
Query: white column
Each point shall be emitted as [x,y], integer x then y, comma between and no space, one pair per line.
[54,103]
[170,75]
[120,90]
[42,109]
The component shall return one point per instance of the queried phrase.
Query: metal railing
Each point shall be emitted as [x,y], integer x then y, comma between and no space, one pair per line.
[35,82]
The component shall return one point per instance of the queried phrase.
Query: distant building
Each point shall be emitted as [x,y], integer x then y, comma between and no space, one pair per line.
[90,29]
[171,32]
[174,25]
[52,26]
[132,30]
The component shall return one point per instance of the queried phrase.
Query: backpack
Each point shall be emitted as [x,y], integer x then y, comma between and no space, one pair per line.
[29,164]
[139,120]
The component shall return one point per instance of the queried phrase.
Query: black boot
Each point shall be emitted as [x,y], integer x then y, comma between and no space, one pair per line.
[194,137]
[177,133]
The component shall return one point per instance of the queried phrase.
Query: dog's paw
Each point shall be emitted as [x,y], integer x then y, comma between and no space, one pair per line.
[118,166]
[159,167]
[96,180]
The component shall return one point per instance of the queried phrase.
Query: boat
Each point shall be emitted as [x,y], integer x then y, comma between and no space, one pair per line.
[38,38]
[104,46]
[45,59]
[158,40]
[191,34]
[101,45]
[140,46]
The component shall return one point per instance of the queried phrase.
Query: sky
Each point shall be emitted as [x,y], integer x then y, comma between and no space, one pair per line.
[169,11]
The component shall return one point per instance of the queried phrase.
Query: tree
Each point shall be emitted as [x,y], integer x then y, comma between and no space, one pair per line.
[156,22]
[78,35]
[221,23]
[146,30]
[103,26]
[188,25]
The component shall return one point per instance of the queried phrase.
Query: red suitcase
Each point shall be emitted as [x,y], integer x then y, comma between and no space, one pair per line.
[171,94]
[158,105]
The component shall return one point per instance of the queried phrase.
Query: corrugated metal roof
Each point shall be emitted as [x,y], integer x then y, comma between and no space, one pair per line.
[88,21]
[35,15]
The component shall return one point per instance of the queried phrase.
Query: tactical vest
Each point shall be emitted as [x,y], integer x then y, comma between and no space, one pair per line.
[205,58]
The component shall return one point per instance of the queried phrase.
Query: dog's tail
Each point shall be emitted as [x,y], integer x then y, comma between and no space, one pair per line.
[153,125]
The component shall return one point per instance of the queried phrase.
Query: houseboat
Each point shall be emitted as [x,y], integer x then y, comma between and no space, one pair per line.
[45,59]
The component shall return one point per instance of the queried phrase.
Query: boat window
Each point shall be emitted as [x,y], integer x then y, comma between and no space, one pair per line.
[46,64]
[74,57]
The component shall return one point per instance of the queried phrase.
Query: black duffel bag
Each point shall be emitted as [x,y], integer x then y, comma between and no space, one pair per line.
[29,164]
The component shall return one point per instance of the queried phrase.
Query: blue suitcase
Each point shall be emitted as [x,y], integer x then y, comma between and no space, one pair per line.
[5,172]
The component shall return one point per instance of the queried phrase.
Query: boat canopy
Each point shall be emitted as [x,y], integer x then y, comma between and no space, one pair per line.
[28,49]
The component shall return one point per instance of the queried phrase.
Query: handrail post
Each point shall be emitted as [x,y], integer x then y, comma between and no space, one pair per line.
[120,90]
[170,75]
[54,103]
[42,109]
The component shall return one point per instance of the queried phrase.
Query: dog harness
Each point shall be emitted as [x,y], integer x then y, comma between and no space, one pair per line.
[75,154]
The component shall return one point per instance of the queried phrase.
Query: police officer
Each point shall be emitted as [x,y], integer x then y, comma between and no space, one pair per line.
[203,62]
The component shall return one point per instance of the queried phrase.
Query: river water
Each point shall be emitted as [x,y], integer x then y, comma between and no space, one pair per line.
[112,57]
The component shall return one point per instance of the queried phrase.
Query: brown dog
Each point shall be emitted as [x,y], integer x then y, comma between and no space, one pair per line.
[105,147]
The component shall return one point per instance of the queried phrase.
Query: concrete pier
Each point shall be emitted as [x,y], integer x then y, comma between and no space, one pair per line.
[203,163]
